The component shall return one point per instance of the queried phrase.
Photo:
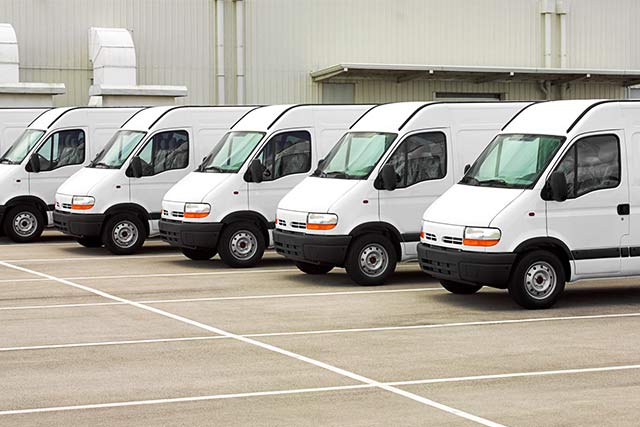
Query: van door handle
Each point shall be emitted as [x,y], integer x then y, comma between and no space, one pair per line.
[623,209]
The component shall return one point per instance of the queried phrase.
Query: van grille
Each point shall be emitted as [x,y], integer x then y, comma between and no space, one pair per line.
[66,206]
[177,214]
[299,225]
[282,222]
[430,236]
[452,240]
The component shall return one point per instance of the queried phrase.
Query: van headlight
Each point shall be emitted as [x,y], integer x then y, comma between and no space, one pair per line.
[478,236]
[196,210]
[321,221]
[82,203]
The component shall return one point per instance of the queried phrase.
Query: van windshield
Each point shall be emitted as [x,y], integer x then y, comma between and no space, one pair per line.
[513,161]
[355,155]
[117,150]
[231,152]
[21,147]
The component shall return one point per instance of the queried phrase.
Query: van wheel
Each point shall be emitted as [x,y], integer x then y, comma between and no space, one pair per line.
[90,242]
[309,268]
[460,288]
[371,259]
[24,223]
[241,245]
[537,281]
[199,254]
[123,234]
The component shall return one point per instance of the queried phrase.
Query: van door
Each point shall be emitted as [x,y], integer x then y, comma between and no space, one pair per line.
[422,166]
[165,160]
[287,159]
[61,155]
[594,219]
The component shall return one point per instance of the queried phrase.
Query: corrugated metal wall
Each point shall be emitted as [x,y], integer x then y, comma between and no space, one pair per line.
[287,39]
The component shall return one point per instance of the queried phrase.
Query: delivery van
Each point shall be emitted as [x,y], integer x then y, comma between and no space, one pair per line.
[115,201]
[58,143]
[228,205]
[12,123]
[361,208]
[553,199]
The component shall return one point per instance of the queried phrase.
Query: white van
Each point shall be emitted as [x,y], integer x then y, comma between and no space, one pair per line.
[361,208]
[554,198]
[116,200]
[53,147]
[228,205]
[13,120]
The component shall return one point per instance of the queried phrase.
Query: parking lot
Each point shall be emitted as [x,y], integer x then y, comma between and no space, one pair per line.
[92,339]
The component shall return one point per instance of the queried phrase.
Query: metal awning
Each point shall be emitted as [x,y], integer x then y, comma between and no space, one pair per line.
[405,72]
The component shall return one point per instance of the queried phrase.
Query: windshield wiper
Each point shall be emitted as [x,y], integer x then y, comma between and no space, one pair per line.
[490,182]
[216,169]
[102,165]
[7,162]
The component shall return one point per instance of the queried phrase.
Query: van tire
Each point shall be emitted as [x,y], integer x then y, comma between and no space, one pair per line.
[381,260]
[241,244]
[537,280]
[460,288]
[315,269]
[90,242]
[199,254]
[124,234]
[24,223]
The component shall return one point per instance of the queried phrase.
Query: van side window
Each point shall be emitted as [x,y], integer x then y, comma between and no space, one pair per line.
[165,151]
[420,157]
[285,154]
[64,148]
[592,163]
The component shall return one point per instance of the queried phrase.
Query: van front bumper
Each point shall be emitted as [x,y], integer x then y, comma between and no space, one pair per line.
[191,235]
[78,225]
[311,248]
[476,268]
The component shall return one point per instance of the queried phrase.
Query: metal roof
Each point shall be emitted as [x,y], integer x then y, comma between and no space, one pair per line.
[475,74]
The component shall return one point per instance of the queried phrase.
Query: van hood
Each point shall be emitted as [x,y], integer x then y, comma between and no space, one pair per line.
[7,171]
[470,205]
[83,182]
[317,194]
[196,186]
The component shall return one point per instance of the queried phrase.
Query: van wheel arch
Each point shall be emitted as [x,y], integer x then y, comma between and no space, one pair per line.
[29,200]
[555,246]
[385,228]
[251,216]
[138,210]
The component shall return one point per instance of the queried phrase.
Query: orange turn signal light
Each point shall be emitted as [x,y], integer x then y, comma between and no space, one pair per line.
[196,214]
[422,234]
[477,242]
[81,207]
[321,226]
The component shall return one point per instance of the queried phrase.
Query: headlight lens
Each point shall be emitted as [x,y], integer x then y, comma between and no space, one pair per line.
[196,210]
[321,221]
[477,236]
[82,203]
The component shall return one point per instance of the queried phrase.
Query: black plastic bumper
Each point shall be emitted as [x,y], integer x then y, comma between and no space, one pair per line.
[478,268]
[78,225]
[190,235]
[311,248]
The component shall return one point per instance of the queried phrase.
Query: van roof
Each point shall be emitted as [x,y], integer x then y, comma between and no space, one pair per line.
[160,116]
[406,116]
[69,114]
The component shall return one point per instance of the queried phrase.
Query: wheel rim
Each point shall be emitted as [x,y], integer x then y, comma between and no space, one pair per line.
[125,234]
[373,260]
[243,245]
[25,224]
[540,280]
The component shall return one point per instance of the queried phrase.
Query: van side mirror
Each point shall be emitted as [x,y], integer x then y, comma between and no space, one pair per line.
[467,167]
[135,168]
[33,165]
[558,186]
[389,179]
[255,171]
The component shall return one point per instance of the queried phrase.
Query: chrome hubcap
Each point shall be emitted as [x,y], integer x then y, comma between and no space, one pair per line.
[540,280]
[373,260]
[125,234]
[243,245]
[25,224]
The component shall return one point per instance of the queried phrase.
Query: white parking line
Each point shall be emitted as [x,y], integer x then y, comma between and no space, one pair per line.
[108,343]
[312,390]
[240,297]
[97,258]
[272,348]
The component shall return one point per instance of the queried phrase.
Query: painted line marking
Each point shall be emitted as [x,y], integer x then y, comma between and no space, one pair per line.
[311,390]
[230,298]
[97,258]
[316,332]
[272,348]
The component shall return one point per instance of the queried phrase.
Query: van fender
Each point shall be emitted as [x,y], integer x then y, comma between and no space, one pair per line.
[30,200]
[549,243]
[380,227]
[251,216]
[138,210]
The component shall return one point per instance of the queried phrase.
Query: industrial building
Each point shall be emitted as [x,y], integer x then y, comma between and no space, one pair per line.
[334,51]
